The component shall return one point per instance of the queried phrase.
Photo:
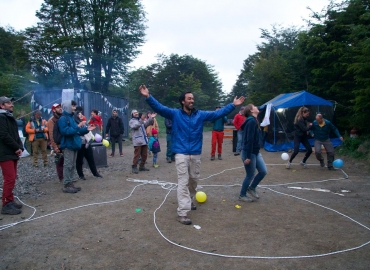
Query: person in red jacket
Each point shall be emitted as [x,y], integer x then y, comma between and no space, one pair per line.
[96,120]
[238,121]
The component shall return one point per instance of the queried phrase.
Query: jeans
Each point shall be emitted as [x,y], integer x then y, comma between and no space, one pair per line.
[114,140]
[155,156]
[251,180]
[169,153]
[87,153]
[188,172]
[240,139]
[297,141]
[217,138]
[9,169]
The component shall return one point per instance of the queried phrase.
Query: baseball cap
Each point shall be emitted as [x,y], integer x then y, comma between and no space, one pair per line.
[55,105]
[5,99]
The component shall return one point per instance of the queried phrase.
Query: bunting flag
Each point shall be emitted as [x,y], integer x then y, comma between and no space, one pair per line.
[78,95]
[33,98]
[40,107]
[49,110]
[45,109]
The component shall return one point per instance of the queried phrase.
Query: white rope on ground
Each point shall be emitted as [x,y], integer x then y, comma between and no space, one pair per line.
[6,226]
[172,186]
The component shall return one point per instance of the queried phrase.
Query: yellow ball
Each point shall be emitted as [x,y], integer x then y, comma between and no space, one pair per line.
[105,143]
[200,196]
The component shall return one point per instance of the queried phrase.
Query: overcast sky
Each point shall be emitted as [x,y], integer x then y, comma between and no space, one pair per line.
[222,33]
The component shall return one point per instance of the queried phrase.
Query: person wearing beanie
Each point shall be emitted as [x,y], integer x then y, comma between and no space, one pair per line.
[116,129]
[38,136]
[154,146]
[57,113]
[139,139]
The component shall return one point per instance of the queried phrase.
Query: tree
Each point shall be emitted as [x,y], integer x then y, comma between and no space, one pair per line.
[174,74]
[86,41]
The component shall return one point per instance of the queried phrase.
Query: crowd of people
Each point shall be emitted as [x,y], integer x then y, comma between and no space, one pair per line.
[70,138]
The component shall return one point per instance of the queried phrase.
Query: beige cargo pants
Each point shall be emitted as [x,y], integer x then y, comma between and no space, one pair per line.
[188,172]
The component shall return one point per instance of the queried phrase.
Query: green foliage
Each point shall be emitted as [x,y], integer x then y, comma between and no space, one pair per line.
[171,76]
[358,148]
[85,43]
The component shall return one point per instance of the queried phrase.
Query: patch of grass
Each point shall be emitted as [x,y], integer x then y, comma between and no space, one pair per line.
[358,148]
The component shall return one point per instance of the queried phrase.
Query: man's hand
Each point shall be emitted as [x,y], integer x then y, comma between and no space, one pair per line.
[56,150]
[81,123]
[18,152]
[341,138]
[91,127]
[238,101]
[153,115]
[144,91]
[247,161]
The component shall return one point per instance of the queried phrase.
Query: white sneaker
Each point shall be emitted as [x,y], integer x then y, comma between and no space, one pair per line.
[288,165]
[303,164]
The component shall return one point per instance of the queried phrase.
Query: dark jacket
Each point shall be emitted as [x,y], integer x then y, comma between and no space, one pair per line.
[187,135]
[300,128]
[9,137]
[168,124]
[323,133]
[69,129]
[251,136]
[115,126]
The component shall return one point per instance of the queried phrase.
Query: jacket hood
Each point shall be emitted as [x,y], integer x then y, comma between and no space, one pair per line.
[6,112]
[67,106]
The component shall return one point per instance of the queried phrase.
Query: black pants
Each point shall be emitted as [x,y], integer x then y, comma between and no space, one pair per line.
[306,144]
[88,154]
[115,139]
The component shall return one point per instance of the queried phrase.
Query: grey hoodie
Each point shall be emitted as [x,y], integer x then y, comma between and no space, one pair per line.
[67,106]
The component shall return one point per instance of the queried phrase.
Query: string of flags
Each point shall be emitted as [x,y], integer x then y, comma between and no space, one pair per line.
[78,95]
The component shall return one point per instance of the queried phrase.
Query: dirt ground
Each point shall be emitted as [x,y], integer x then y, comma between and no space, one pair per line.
[122,235]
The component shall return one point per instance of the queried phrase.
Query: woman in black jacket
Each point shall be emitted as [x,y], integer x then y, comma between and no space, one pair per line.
[250,154]
[301,131]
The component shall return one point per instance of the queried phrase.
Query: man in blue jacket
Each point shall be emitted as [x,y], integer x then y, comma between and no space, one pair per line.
[187,137]
[321,129]
[70,143]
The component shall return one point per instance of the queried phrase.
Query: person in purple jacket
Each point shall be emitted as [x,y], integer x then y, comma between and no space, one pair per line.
[187,137]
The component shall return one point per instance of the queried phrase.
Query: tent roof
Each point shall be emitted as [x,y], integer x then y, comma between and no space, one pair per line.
[297,99]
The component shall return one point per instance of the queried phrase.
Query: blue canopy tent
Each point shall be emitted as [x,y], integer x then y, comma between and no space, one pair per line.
[280,133]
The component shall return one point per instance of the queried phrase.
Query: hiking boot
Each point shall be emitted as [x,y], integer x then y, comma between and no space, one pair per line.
[322,163]
[16,205]
[331,168]
[184,220]
[253,193]
[82,177]
[288,165]
[219,157]
[111,155]
[10,209]
[193,206]
[143,169]
[304,164]
[98,175]
[77,188]
[169,160]
[121,154]
[245,199]
[69,188]
[212,157]
[135,170]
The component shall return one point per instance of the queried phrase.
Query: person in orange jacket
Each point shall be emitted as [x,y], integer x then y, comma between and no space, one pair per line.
[38,135]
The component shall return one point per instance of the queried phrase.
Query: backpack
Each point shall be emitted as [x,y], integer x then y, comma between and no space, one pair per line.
[57,137]
[156,147]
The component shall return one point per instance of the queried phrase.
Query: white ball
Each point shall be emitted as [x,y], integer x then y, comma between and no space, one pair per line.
[284,156]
